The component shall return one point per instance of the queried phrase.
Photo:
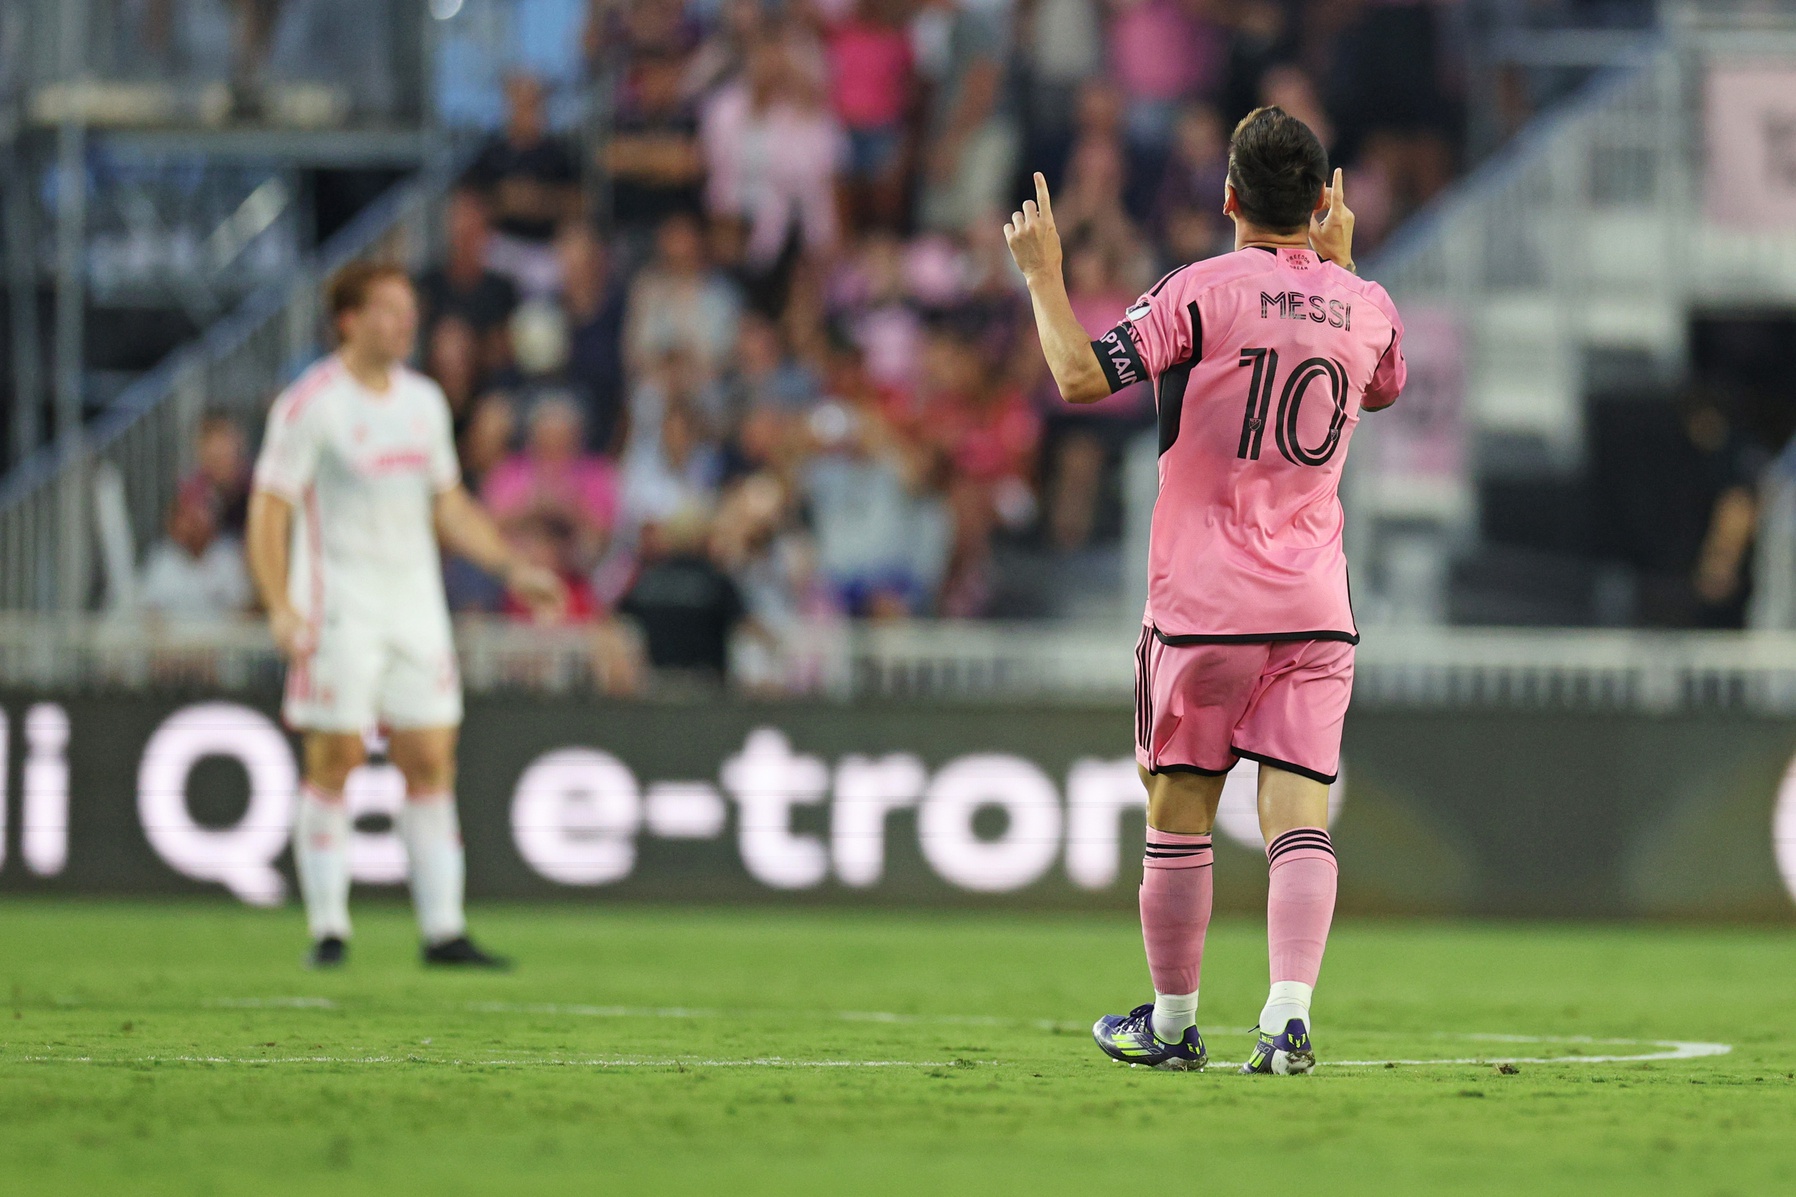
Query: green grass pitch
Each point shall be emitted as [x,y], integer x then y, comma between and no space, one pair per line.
[179,1048]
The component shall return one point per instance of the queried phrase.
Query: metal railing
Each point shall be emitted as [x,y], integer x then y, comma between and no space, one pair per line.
[1647,672]
[147,434]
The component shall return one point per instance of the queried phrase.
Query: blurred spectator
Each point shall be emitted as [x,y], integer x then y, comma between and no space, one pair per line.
[673,466]
[970,136]
[1260,37]
[465,290]
[766,374]
[687,607]
[988,433]
[220,475]
[882,532]
[1062,45]
[555,479]
[1084,442]
[653,154]
[485,442]
[771,149]
[548,542]
[1196,170]
[487,439]
[724,51]
[193,572]
[1161,54]
[452,359]
[252,44]
[1290,87]
[872,83]
[593,302]
[679,302]
[774,564]
[868,297]
[1091,197]
[1388,95]
[531,178]
[1675,487]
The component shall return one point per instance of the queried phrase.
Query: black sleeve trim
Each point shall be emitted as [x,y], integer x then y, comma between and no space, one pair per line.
[1364,406]
[1255,638]
[1169,400]
[1120,360]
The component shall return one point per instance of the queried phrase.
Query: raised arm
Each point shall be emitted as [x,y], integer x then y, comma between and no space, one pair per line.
[1035,244]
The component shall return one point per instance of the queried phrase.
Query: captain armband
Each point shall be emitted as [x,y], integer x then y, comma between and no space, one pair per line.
[1120,360]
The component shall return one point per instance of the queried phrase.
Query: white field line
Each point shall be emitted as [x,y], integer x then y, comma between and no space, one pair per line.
[1671,1049]
[1667,1049]
[881,1016]
[534,1062]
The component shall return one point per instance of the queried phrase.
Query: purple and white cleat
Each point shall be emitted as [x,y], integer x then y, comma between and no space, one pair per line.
[1130,1039]
[1287,1053]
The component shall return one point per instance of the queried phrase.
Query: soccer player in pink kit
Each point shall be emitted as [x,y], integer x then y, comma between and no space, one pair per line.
[1262,361]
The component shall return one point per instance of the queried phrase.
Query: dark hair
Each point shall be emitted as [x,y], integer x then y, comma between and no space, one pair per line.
[348,289]
[1277,168]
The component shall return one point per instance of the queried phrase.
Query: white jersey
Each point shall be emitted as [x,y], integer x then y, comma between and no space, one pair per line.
[362,469]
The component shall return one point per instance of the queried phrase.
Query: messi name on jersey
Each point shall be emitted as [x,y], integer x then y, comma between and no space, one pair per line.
[1295,305]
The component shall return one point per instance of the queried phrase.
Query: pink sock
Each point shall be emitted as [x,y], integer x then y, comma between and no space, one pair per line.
[1176,897]
[1300,904]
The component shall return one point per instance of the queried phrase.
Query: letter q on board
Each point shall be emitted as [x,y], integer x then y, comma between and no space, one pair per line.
[574,817]
[240,857]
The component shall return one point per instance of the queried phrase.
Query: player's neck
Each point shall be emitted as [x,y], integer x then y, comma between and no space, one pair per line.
[1246,238]
[372,371]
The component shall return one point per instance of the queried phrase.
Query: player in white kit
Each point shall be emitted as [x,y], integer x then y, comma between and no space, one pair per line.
[356,484]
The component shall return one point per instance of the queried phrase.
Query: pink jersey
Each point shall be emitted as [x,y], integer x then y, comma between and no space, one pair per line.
[1262,361]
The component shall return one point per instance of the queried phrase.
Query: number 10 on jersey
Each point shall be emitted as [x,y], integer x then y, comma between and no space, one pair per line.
[1290,404]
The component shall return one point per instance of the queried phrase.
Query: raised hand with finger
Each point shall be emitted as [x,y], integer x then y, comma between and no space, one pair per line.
[1034,242]
[1331,234]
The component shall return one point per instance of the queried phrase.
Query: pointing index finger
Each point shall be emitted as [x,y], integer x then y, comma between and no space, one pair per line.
[1041,196]
[1338,193]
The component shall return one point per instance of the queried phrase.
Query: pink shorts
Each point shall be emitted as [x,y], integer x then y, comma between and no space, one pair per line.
[1199,708]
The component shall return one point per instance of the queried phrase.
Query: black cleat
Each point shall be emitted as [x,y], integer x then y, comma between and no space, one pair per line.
[461,952]
[329,952]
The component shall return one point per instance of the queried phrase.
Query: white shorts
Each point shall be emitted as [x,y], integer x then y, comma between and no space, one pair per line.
[361,676]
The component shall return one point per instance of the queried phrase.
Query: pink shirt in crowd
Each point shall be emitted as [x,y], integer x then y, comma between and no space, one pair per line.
[1158,51]
[586,486]
[1261,362]
[869,71]
[774,167]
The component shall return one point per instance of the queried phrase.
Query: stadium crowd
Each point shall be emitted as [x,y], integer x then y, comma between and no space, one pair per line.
[756,351]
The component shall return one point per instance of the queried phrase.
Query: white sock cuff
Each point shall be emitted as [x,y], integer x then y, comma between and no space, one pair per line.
[1173,1014]
[1285,1001]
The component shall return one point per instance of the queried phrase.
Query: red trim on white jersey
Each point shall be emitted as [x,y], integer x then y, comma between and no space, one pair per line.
[309,385]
